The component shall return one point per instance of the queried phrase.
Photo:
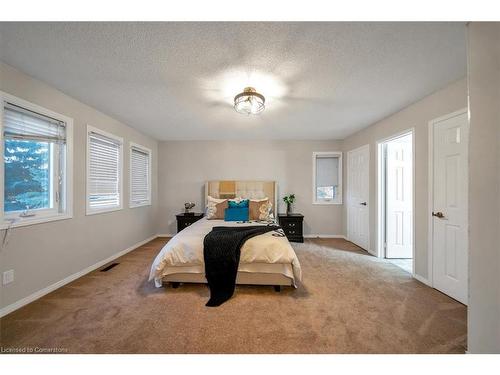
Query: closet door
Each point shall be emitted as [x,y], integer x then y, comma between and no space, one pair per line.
[450,206]
[358,190]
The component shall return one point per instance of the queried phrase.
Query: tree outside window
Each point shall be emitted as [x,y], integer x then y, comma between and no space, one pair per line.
[27,175]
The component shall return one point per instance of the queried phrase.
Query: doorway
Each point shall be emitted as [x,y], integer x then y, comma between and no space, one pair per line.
[396,190]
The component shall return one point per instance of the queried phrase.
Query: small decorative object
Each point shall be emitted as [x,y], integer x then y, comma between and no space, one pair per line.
[27,212]
[289,199]
[187,207]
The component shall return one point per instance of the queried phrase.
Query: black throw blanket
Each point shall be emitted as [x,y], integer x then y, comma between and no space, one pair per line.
[221,251]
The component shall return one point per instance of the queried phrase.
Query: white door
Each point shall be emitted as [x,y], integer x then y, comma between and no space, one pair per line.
[449,209]
[399,200]
[358,187]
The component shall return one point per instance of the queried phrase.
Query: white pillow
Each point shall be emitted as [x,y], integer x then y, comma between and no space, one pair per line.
[215,200]
[211,206]
[259,200]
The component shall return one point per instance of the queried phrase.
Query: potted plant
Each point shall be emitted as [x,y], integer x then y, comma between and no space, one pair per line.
[289,199]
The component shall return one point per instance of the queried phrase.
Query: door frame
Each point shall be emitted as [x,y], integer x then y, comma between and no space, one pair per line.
[380,190]
[367,146]
[430,187]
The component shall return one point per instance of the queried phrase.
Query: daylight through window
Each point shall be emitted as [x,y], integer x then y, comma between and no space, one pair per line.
[327,177]
[34,162]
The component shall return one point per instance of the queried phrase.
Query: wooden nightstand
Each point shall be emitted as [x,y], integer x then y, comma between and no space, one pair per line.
[292,226]
[184,220]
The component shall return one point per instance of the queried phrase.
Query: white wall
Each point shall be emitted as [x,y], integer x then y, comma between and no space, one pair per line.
[417,116]
[484,188]
[45,253]
[186,165]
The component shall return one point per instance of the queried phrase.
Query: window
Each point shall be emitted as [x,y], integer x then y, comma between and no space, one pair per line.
[36,163]
[104,171]
[140,176]
[327,178]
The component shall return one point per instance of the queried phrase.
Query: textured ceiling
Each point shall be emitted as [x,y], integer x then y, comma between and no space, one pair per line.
[177,80]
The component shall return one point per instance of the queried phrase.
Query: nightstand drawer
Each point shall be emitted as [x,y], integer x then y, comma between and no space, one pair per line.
[293,231]
[184,224]
[184,221]
[291,224]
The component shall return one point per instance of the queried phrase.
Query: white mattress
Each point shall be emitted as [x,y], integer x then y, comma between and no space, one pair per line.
[261,254]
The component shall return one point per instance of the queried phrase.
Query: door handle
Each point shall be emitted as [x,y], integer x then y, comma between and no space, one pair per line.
[363,203]
[438,214]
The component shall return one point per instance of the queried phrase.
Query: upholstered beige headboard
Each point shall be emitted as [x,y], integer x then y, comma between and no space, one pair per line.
[243,189]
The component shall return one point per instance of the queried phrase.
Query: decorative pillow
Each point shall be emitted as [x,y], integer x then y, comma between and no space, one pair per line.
[215,208]
[238,204]
[265,212]
[255,205]
[236,214]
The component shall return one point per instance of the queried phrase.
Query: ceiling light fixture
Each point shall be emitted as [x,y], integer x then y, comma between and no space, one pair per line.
[249,102]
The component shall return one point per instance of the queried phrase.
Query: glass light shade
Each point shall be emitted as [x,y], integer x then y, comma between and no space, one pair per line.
[249,102]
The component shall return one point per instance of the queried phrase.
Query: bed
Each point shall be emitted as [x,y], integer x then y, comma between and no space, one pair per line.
[267,259]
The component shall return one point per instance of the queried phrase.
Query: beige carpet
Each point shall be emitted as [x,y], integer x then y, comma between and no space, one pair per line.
[349,302]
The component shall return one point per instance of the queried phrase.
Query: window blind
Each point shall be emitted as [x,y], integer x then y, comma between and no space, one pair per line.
[104,172]
[139,176]
[327,171]
[21,123]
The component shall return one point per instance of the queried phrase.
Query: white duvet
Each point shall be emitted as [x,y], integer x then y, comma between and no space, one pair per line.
[186,250]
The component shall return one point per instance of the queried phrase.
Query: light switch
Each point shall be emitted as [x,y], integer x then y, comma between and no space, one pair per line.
[8,277]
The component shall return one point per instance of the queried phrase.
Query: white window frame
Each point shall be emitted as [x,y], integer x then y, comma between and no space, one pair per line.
[338,198]
[148,151]
[13,219]
[93,211]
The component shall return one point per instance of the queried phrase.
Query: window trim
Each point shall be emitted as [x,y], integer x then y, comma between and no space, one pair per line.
[93,211]
[338,199]
[149,152]
[45,215]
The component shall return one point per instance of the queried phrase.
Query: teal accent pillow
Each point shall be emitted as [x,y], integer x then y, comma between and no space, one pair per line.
[241,204]
[236,214]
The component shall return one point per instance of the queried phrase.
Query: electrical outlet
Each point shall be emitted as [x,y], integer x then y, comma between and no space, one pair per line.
[8,277]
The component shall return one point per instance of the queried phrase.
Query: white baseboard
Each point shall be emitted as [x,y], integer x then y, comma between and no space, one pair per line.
[165,235]
[324,236]
[422,280]
[32,297]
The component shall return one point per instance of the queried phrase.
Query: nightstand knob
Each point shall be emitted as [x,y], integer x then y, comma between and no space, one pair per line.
[292,224]
[292,232]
